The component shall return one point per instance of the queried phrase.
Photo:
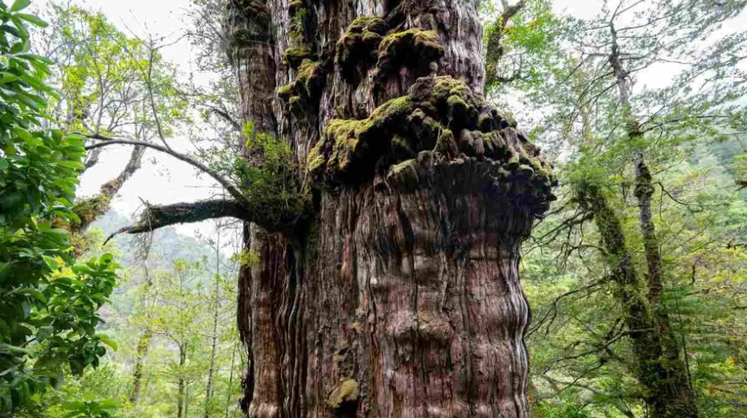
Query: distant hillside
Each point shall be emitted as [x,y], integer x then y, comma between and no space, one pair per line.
[167,247]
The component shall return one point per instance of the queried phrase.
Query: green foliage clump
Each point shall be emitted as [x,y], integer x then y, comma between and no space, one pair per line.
[48,302]
[91,409]
[268,178]
[299,14]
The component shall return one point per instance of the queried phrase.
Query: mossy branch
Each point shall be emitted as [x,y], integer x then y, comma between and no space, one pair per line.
[155,217]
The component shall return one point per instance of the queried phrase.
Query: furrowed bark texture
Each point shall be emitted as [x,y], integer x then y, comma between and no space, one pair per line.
[399,296]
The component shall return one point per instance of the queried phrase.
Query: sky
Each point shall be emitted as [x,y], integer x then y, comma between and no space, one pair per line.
[163,180]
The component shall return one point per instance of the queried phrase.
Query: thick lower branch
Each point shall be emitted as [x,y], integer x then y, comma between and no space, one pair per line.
[155,217]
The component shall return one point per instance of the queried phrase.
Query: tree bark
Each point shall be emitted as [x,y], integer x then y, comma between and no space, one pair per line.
[399,296]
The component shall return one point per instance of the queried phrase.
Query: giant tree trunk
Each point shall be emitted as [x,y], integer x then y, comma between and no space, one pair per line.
[398,295]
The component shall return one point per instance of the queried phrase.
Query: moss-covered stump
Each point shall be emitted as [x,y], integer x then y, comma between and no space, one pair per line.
[440,116]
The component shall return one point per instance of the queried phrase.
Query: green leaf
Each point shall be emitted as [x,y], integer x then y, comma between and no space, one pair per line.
[20,5]
[108,404]
[76,137]
[35,293]
[11,30]
[8,78]
[108,341]
[74,406]
[14,350]
[51,263]
[21,27]
[76,165]
[33,19]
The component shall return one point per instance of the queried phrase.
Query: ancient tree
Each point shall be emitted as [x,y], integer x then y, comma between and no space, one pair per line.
[387,281]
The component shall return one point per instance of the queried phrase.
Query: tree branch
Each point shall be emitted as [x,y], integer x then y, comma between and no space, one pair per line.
[495,50]
[155,217]
[106,141]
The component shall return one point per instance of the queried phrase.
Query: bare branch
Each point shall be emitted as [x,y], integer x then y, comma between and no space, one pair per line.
[232,190]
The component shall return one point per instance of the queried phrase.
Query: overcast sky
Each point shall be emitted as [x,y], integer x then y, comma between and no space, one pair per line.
[165,180]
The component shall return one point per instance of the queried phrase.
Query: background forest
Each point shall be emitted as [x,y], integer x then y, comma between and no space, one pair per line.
[641,108]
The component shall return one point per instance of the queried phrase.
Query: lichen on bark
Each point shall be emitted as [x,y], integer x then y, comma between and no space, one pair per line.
[346,392]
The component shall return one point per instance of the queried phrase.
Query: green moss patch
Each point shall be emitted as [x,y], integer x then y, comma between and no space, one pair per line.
[346,392]
[358,45]
[307,86]
[414,48]
[297,55]
[88,210]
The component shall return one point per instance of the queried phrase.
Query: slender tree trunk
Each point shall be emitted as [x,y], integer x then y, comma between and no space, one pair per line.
[399,295]
[663,377]
[137,375]
[230,380]
[664,374]
[186,401]
[181,383]
[216,310]
[142,345]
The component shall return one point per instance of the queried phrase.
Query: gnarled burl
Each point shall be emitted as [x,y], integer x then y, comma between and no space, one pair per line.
[398,295]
